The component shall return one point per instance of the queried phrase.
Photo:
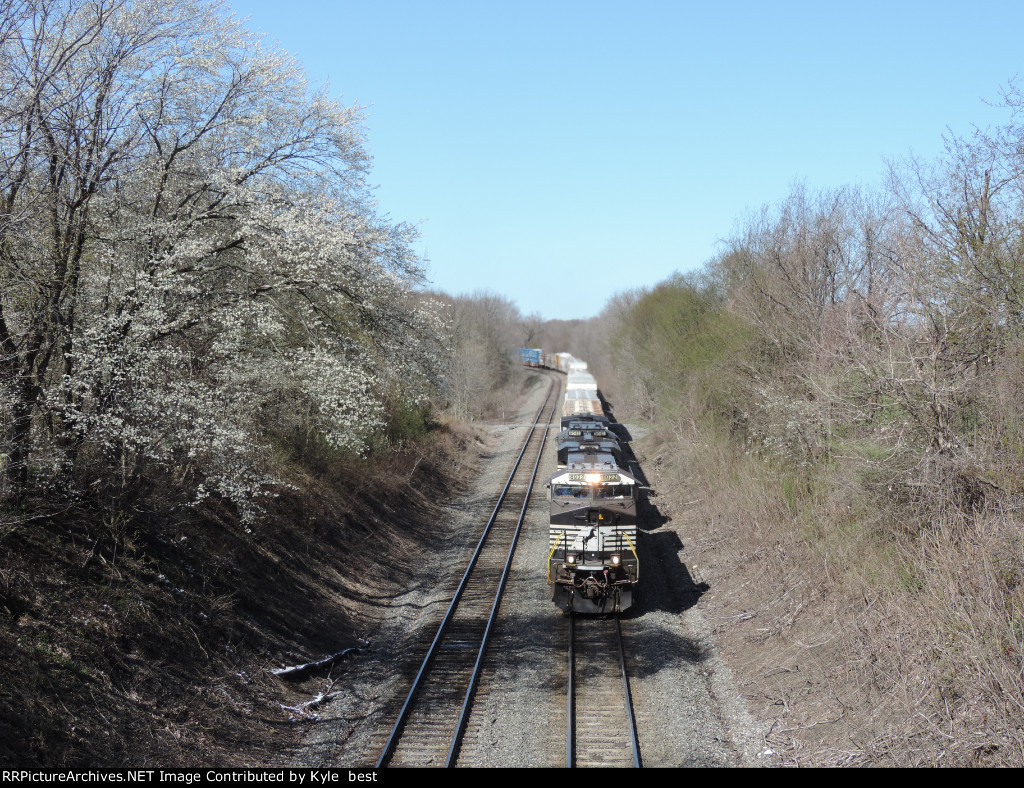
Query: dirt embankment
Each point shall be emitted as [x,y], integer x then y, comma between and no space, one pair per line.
[849,644]
[148,641]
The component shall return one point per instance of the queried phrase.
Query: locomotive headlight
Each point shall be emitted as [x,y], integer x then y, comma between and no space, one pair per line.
[616,559]
[571,559]
[593,478]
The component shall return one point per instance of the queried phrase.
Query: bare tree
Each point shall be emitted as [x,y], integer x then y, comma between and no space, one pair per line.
[486,337]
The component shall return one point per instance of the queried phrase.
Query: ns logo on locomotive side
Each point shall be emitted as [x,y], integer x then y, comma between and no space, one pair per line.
[592,560]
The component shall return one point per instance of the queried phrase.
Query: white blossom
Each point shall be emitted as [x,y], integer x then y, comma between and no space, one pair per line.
[231,258]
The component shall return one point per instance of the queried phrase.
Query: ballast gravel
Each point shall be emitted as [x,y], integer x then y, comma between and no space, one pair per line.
[688,712]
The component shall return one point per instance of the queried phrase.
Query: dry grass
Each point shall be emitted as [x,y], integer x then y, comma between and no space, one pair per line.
[859,635]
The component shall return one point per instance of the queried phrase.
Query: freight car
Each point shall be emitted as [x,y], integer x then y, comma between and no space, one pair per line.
[580,403]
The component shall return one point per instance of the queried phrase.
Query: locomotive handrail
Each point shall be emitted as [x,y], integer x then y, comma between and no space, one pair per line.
[555,547]
[632,548]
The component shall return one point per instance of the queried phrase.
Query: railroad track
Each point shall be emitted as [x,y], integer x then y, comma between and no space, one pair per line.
[602,729]
[428,728]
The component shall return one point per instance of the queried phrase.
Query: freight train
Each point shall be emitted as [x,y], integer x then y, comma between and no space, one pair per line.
[593,565]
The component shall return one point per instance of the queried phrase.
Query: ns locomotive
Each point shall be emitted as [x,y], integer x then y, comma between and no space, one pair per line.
[593,565]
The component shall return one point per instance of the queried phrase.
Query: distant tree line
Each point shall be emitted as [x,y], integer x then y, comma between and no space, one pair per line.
[483,369]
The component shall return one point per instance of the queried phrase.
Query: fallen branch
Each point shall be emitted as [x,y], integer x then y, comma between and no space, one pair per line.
[303,709]
[297,671]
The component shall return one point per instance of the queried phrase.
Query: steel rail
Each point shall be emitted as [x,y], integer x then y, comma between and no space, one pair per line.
[464,712]
[402,715]
[570,750]
[629,698]
[570,756]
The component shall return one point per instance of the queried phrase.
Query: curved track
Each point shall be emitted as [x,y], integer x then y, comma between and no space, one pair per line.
[429,725]
[601,730]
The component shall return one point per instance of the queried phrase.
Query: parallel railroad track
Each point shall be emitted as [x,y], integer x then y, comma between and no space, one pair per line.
[428,728]
[602,728]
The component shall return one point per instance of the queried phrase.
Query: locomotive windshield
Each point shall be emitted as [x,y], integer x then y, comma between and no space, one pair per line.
[570,491]
[614,491]
[602,491]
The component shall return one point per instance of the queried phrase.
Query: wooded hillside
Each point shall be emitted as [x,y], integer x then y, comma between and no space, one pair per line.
[191,260]
[841,393]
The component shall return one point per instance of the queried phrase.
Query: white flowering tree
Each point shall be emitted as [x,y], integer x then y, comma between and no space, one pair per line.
[187,245]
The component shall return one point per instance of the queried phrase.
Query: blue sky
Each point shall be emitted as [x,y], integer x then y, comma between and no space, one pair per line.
[531,142]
